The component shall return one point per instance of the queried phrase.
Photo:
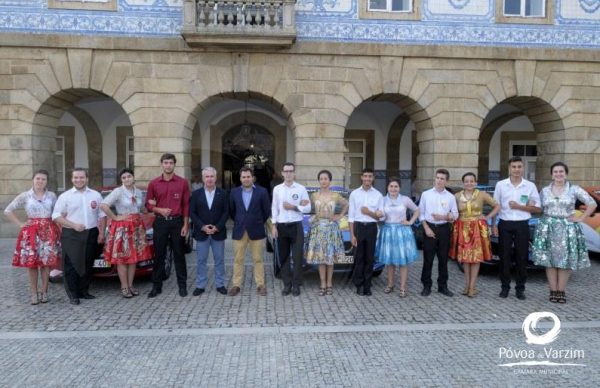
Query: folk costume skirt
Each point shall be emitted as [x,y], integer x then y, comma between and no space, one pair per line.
[470,242]
[396,245]
[559,243]
[38,244]
[325,245]
[126,241]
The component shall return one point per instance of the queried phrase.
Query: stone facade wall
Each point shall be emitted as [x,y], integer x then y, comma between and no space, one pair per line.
[446,93]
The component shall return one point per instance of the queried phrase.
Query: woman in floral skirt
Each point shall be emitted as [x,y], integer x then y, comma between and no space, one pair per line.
[126,244]
[325,246]
[559,244]
[38,243]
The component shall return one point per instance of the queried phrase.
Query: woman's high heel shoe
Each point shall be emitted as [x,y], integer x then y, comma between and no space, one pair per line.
[34,299]
[43,297]
[126,293]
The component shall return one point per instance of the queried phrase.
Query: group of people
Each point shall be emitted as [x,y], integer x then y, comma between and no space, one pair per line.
[454,226]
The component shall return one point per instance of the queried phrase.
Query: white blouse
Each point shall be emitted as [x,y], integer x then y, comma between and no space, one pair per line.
[35,208]
[124,201]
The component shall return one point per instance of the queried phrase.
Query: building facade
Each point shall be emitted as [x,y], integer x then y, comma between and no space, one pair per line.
[402,86]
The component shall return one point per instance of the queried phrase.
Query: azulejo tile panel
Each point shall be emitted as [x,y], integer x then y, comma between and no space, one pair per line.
[464,22]
[459,10]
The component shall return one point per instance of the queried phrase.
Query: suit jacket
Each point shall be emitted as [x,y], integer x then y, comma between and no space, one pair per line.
[217,215]
[251,220]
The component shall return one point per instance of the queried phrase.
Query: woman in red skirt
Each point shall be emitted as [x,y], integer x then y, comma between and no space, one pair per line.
[38,243]
[125,244]
[470,243]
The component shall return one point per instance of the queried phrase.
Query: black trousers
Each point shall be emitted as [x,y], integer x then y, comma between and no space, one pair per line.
[77,283]
[516,232]
[165,231]
[290,238]
[438,245]
[364,255]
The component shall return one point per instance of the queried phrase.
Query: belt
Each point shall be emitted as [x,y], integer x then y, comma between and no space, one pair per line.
[438,225]
[289,223]
[365,223]
[168,218]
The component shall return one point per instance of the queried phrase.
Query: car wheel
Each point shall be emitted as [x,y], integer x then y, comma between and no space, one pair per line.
[269,246]
[168,262]
[377,272]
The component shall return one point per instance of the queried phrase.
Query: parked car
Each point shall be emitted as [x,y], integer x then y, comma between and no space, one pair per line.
[591,225]
[102,269]
[346,266]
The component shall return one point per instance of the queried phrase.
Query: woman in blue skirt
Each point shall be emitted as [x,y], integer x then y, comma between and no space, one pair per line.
[396,241]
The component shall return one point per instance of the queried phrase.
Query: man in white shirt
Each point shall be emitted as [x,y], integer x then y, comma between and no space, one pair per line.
[518,199]
[365,209]
[290,202]
[78,212]
[437,211]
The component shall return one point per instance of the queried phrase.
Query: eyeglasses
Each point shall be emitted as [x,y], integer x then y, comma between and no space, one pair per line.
[290,171]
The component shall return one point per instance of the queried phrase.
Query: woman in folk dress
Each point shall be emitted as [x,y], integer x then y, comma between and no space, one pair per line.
[126,243]
[38,243]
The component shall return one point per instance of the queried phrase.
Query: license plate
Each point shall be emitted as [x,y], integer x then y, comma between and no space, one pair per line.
[347,260]
[100,263]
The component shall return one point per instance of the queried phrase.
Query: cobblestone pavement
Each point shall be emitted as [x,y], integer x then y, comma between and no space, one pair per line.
[341,340]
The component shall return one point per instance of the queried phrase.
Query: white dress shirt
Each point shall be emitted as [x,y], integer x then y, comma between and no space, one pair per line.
[210,195]
[505,192]
[80,207]
[360,197]
[292,194]
[437,202]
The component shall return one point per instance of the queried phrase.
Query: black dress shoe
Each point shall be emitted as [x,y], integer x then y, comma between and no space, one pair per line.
[87,295]
[222,290]
[296,291]
[286,291]
[182,292]
[445,291]
[503,293]
[521,295]
[198,291]
[154,292]
[359,290]
[74,301]
[367,292]
[426,291]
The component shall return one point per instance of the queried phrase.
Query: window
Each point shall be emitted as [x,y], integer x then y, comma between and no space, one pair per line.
[59,163]
[354,162]
[524,8]
[389,9]
[129,154]
[390,5]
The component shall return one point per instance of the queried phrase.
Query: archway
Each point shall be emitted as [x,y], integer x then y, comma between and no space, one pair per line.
[528,127]
[248,145]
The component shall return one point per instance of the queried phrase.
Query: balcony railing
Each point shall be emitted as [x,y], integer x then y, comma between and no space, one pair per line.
[239,23]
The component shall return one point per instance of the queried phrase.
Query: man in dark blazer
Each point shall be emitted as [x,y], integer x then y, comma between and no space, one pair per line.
[209,209]
[250,208]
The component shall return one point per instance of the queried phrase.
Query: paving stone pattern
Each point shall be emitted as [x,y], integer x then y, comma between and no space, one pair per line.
[342,340]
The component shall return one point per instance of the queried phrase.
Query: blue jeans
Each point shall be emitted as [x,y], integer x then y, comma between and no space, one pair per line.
[218,250]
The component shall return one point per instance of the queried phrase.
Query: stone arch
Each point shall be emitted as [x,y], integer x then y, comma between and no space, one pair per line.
[257,108]
[411,110]
[46,122]
[548,128]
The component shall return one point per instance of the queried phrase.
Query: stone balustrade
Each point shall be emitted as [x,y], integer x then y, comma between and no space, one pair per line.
[239,23]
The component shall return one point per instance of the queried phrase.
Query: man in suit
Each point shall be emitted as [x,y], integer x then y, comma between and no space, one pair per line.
[209,209]
[250,208]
